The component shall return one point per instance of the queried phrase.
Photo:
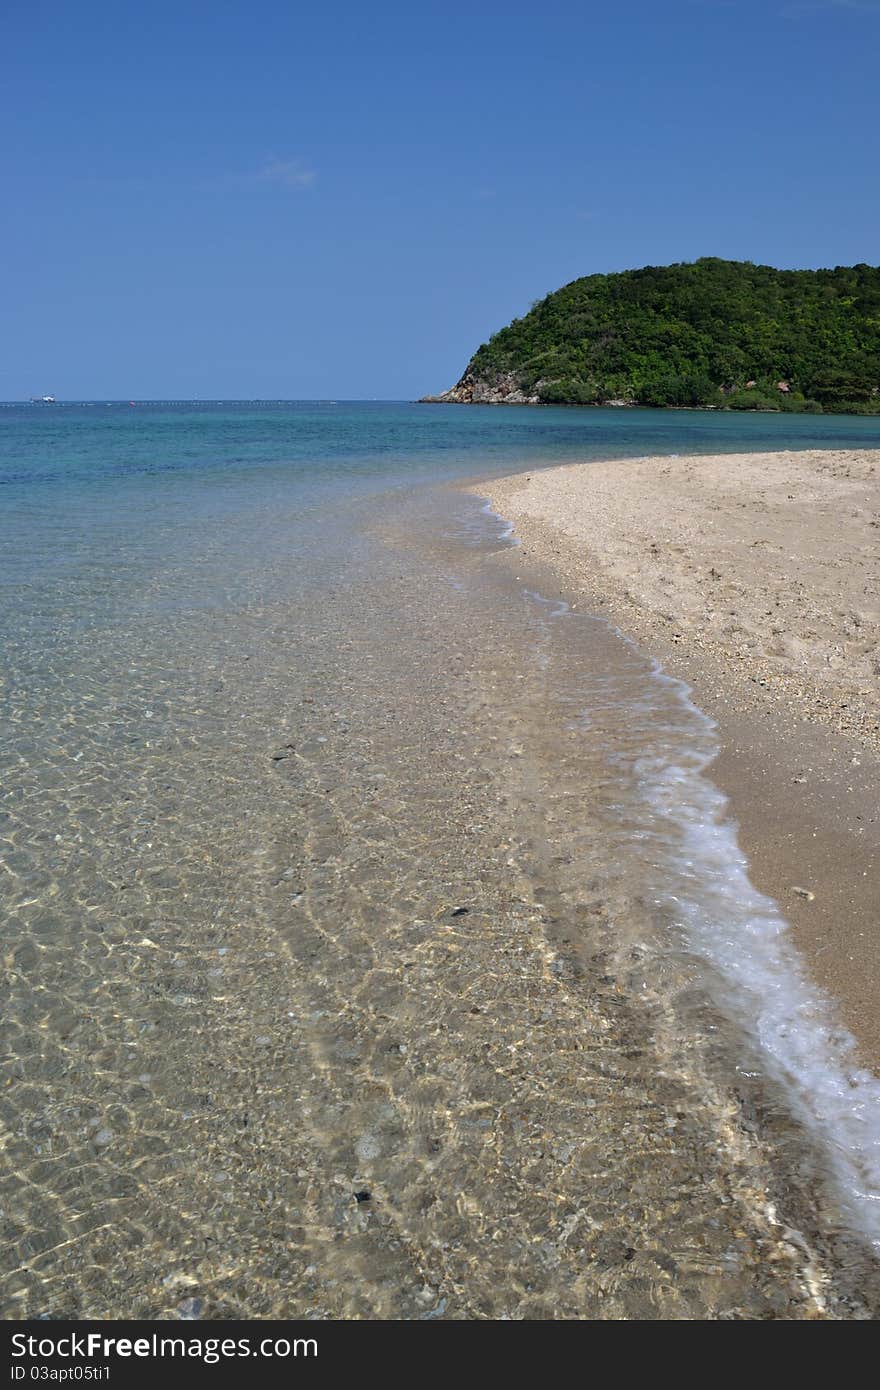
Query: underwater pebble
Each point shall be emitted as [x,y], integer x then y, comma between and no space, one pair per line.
[367,1147]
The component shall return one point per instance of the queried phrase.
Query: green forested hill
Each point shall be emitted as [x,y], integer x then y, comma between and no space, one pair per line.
[724,333]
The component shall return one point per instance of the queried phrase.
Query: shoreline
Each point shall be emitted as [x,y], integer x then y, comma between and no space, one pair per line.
[797,721]
[638,405]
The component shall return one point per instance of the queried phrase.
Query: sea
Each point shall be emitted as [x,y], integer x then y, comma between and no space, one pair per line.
[375,941]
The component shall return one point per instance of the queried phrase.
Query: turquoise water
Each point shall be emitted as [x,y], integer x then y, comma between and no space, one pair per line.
[92,496]
[273,712]
[86,442]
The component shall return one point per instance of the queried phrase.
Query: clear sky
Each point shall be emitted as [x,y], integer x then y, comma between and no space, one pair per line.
[263,199]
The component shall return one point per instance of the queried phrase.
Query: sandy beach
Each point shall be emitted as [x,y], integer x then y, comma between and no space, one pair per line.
[755,578]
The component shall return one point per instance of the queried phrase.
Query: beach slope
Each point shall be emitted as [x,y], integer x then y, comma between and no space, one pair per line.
[756,578]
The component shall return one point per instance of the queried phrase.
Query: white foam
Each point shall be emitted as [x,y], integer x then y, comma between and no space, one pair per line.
[702,881]
[766,987]
[507,528]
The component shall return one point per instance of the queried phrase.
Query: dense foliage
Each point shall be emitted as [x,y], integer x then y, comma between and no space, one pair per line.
[714,332]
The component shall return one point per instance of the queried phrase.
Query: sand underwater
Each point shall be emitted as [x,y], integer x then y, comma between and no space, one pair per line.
[377,942]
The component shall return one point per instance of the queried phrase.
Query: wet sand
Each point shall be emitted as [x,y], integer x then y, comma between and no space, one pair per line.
[753,577]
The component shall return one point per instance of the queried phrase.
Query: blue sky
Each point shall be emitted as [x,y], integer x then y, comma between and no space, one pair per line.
[344,200]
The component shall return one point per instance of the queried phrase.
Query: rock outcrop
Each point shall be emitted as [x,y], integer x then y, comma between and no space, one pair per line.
[504,389]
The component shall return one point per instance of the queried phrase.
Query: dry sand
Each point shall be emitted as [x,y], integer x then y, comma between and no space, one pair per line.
[755,577]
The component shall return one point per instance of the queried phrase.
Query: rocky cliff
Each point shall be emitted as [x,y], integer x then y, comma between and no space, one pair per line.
[501,389]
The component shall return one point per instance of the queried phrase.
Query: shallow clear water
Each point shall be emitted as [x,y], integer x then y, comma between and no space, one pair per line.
[276,707]
[94,499]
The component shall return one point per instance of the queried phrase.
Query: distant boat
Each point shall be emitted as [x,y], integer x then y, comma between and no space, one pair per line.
[43,400]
